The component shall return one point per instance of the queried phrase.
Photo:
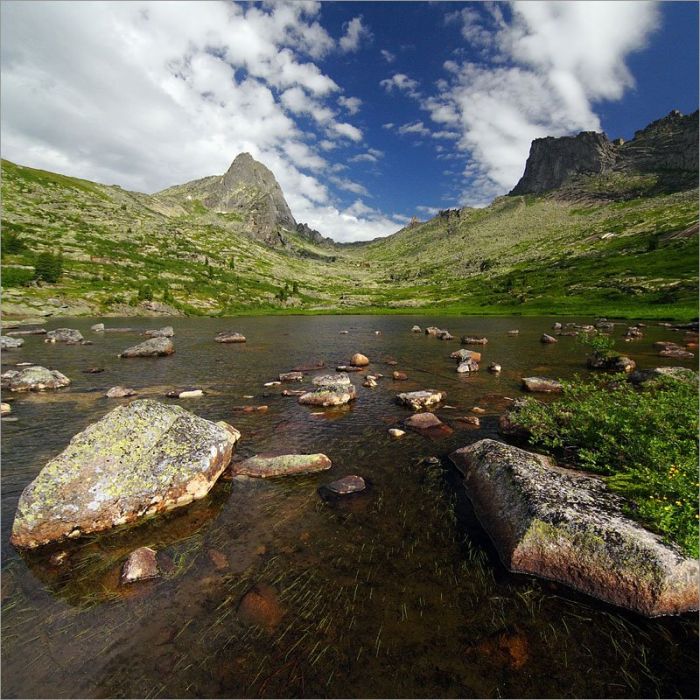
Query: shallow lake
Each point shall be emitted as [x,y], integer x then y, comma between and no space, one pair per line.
[394,593]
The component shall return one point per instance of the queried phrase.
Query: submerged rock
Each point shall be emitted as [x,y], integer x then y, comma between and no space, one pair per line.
[69,336]
[566,526]
[229,337]
[542,385]
[329,395]
[140,566]
[263,467]
[427,424]
[30,331]
[418,400]
[120,392]
[165,332]
[260,606]
[8,343]
[34,378]
[155,347]
[140,459]
[347,485]
[399,376]
[515,331]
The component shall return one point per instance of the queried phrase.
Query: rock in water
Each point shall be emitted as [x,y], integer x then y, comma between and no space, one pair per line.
[416,329]
[263,467]
[140,566]
[359,360]
[260,606]
[229,337]
[165,332]
[329,395]
[341,379]
[155,347]
[463,355]
[418,400]
[548,339]
[119,392]
[681,374]
[467,366]
[291,377]
[140,459]
[542,385]
[8,343]
[64,335]
[569,527]
[474,340]
[347,485]
[98,328]
[33,378]
[5,409]
[427,424]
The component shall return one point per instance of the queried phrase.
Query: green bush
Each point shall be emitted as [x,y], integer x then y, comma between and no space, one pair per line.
[48,267]
[644,443]
[145,293]
[16,276]
[12,243]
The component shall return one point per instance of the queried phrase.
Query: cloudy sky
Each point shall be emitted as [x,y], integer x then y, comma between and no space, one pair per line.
[368,113]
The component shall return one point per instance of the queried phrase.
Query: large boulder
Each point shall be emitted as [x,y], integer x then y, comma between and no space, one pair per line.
[329,395]
[140,459]
[419,400]
[567,526]
[229,337]
[8,343]
[263,466]
[155,347]
[165,332]
[33,378]
[71,336]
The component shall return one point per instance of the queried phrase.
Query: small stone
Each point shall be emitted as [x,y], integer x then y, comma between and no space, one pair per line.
[416,329]
[467,366]
[260,606]
[359,360]
[291,377]
[5,409]
[329,395]
[8,343]
[392,363]
[370,383]
[399,376]
[470,420]
[557,326]
[275,383]
[347,485]
[495,367]
[462,355]
[474,340]
[421,399]
[427,424]
[58,558]
[514,332]
[119,392]
[229,337]
[94,370]
[478,409]
[348,368]
[140,566]
[377,332]
[190,394]
[344,332]
[548,339]
[396,432]
[293,392]
[98,328]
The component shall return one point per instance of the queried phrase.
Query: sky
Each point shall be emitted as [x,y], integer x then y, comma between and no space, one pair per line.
[368,113]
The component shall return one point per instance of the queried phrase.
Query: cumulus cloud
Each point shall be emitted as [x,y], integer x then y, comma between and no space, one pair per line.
[355,33]
[151,94]
[352,104]
[541,73]
[358,222]
[414,128]
[400,82]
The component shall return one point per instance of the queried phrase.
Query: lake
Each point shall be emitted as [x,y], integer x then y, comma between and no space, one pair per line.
[393,593]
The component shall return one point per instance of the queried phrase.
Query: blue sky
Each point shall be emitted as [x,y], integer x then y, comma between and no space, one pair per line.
[368,113]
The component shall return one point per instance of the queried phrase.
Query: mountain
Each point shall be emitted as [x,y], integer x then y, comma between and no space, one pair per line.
[616,238]
[668,147]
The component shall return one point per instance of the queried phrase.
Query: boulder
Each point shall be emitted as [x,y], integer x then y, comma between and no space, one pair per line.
[416,329]
[341,379]
[427,424]
[612,363]
[542,385]
[155,347]
[681,374]
[548,339]
[119,392]
[467,366]
[8,343]
[329,395]
[165,332]
[140,459]
[264,467]
[98,328]
[229,337]
[568,527]
[473,340]
[463,354]
[69,336]
[359,360]
[140,566]
[291,377]
[418,400]
[33,378]
[347,485]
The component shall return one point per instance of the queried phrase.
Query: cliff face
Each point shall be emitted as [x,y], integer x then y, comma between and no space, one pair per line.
[670,143]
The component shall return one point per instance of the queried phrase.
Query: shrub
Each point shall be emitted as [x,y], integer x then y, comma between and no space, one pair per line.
[48,267]
[12,243]
[643,442]
[145,293]
[16,276]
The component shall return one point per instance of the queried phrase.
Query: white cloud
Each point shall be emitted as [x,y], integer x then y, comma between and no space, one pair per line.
[542,73]
[349,185]
[352,104]
[151,94]
[355,32]
[388,56]
[400,81]
[414,128]
[430,211]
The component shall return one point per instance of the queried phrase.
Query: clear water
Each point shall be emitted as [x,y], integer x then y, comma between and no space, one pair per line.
[395,593]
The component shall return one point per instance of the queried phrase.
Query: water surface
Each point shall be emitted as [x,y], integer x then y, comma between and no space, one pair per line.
[395,593]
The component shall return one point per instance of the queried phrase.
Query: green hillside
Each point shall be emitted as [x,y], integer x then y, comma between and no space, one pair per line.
[610,245]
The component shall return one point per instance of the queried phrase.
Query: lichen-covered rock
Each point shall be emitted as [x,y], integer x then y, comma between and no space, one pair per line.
[70,336]
[229,337]
[120,392]
[329,395]
[155,347]
[341,379]
[462,355]
[474,340]
[8,343]
[418,400]
[265,466]
[542,385]
[165,332]
[140,459]
[566,526]
[141,565]
[33,378]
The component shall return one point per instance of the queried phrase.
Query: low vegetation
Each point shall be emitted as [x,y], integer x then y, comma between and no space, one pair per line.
[643,442]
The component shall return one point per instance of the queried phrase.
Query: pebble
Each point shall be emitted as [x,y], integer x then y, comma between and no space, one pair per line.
[396,433]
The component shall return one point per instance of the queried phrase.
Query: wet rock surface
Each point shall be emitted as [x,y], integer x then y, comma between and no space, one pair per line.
[418,400]
[542,385]
[291,377]
[155,347]
[329,395]
[9,343]
[567,526]
[140,459]
[428,425]
[473,340]
[266,466]
[34,378]
[141,565]
[347,485]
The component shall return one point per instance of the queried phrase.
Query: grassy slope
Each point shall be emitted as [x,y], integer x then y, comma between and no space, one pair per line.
[528,255]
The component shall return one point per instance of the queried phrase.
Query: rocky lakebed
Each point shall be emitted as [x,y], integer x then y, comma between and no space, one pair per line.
[330,506]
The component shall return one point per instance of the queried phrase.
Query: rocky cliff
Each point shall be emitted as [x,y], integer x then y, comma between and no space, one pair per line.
[668,144]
